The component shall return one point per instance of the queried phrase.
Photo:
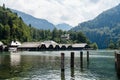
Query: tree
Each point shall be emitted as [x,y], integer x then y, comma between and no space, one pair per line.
[54,34]
[111,45]
[6,32]
[94,46]
[81,37]
[1,31]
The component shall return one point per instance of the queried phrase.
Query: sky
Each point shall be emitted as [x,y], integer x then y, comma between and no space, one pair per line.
[71,12]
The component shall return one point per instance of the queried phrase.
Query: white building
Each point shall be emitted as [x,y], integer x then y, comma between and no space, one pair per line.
[13,45]
[1,44]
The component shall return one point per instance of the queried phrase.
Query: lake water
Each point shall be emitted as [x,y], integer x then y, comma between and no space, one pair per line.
[46,66]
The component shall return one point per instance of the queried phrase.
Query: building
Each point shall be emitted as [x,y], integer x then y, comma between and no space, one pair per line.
[29,46]
[80,46]
[65,36]
[51,46]
[48,45]
[13,45]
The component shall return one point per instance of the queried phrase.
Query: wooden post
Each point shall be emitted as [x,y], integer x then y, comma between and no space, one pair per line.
[87,57]
[62,62]
[118,64]
[116,60]
[72,59]
[81,59]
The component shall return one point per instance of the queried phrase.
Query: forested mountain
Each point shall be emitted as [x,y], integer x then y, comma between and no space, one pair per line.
[13,27]
[63,26]
[104,28]
[35,22]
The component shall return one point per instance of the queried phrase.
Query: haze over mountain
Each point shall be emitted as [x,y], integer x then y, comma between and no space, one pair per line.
[35,22]
[63,26]
[103,28]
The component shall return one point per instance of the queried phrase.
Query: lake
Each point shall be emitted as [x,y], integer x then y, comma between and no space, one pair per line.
[46,65]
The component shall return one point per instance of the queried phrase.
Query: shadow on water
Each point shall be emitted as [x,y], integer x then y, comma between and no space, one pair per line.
[118,77]
[9,65]
[62,75]
[88,63]
[72,74]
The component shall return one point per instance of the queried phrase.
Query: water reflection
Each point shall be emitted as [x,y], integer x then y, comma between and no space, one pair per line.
[88,63]
[0,60]
[15,59]
[72,74]
[47,67]
[63,75]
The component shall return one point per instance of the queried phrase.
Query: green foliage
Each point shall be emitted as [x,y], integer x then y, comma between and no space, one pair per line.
[94,46]
[41,35]
[114,45]
[12,27]
[111,45]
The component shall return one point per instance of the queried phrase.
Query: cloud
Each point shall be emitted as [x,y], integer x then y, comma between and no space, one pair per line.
[94,1]
[60,11]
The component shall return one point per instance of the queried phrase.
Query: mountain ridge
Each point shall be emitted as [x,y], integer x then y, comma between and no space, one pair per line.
[103,28]
[35,22]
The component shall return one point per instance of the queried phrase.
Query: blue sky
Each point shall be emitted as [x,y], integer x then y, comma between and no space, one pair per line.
[62,11]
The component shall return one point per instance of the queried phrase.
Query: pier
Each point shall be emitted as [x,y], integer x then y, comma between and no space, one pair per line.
[72,64]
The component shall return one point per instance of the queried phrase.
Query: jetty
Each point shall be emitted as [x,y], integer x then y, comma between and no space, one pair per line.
[72,63]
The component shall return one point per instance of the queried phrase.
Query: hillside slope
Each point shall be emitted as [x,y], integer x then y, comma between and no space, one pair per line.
[12,27]
[103,28]
[35,22]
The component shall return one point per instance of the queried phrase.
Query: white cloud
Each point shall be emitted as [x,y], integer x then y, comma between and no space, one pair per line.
[60,11]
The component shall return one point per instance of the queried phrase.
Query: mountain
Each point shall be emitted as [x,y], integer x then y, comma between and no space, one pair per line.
[35,22]
[104,28]
[63,26]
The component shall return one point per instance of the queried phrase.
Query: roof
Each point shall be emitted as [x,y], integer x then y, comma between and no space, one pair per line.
[1,43]
[15,43]
[52,43]
[30,44]
[79,45]
[48,43]
[66,45]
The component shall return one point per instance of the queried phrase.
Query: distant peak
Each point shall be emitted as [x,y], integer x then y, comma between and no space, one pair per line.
[118,5]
